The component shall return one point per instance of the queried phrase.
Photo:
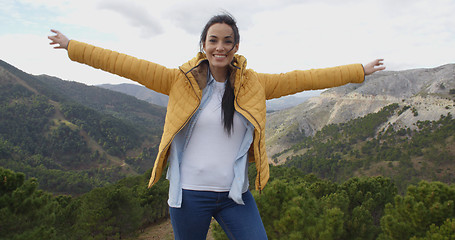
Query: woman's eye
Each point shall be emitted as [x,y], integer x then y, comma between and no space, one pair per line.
[212,40]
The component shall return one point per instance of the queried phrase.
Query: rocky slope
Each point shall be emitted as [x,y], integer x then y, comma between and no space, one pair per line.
[427,93]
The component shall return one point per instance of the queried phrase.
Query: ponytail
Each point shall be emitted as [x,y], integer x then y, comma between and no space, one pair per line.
[227,107]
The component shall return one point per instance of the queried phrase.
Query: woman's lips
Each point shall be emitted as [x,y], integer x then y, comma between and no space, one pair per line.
[219,55]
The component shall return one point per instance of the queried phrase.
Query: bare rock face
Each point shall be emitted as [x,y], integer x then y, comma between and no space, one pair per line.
[425,91]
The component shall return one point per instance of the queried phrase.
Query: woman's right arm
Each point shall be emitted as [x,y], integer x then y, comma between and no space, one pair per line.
[151,75]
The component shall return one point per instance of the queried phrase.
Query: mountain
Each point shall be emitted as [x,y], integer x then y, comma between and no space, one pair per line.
[143,93]
[74,137]
[138,91]
[425,92]
[71,136]
[396,124]
[290,101]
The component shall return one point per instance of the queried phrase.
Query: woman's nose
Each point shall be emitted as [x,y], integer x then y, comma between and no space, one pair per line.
[219,47]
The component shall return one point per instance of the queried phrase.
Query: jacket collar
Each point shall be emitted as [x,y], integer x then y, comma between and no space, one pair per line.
[198,67]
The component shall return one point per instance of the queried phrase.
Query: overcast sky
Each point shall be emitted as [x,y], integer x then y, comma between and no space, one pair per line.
[275,35]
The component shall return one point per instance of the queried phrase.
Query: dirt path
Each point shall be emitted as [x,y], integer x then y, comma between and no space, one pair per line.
[163,231]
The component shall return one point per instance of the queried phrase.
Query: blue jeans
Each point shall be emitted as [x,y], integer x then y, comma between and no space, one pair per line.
[192,220]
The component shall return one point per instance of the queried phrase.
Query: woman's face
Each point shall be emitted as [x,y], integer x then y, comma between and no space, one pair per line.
[218,45]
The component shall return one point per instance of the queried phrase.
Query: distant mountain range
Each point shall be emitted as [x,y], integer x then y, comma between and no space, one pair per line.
[143,93]
[139,92]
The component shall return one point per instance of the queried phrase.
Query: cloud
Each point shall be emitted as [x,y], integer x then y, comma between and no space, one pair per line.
[19,16]
[276,35]
[191,16]
[136,15]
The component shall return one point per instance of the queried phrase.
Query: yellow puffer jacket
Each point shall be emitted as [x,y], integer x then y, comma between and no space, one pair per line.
[184,87]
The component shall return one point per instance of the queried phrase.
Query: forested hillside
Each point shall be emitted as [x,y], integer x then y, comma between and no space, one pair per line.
[115,211]
[368,146]
[73,137]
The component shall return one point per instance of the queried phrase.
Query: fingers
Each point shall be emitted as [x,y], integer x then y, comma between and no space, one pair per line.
[379,62]
[59,39]
[56,33]
[377,69]
[54,38]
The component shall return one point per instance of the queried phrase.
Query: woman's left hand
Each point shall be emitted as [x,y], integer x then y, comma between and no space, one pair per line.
[59,39]
[374,66]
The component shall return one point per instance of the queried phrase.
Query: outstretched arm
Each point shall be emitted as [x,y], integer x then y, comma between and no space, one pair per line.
[59,39]
[149,74]
[278,85]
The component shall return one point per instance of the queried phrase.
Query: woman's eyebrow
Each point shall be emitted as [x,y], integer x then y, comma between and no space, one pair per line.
[214,36]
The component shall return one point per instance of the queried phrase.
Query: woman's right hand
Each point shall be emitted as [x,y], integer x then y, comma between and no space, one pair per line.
[59,39]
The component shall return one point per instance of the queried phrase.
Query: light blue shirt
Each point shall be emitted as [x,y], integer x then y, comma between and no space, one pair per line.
[240,182]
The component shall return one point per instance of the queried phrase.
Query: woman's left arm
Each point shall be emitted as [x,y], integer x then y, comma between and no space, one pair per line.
[278,85]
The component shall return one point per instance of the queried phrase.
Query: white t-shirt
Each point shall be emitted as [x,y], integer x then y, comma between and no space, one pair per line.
[208,160]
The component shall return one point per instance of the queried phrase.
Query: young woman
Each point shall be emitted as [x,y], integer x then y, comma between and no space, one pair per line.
[214,125]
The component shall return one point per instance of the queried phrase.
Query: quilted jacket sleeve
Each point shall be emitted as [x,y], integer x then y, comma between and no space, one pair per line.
[278,85]
[151,75]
